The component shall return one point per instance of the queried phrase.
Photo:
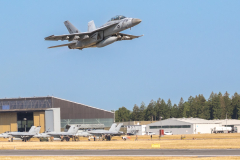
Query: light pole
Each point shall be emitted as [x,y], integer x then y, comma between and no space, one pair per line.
[160,118]
[25,119]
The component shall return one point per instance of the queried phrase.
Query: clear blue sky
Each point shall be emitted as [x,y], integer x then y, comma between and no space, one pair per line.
[188,48]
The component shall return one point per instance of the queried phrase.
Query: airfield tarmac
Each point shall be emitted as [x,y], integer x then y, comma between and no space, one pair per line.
[124,153]
[204,146]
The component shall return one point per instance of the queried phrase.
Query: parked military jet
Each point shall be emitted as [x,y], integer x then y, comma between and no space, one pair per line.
[113,131]
[72,131]
[97,37]
[24,136]
[5,135]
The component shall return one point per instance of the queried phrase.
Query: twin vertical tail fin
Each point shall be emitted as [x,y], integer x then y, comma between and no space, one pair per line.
[91,26]
[35,130]
[71,28]
[112,128]
[117,129]
[31,130]
[73,129]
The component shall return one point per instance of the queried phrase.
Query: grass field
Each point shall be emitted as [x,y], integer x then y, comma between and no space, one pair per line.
[116,158]
[164,144]
[198,141]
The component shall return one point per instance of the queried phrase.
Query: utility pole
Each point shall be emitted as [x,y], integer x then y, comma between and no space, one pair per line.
[114,116]
[25,119]
[226,119]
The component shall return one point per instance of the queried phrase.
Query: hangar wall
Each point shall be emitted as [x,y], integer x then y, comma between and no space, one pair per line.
[8,122]
[76,113]
[177,127]
[39,120]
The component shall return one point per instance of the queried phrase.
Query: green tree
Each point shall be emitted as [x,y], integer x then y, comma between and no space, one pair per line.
[201,107]
[180,108]
[122,115]
[228,110]
[162,109]
[142,111]
[150,112]
[174,111]
[169,108]
[236,106]
[216,106]
[186,110]
[135,113]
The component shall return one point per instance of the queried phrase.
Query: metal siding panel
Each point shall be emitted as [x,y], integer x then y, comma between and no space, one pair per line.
[42,121]
[13,124]
[70,110]
[36,118]
[49,120]
[8,122]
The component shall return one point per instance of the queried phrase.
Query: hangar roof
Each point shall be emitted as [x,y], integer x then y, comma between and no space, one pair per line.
[196,120]
[172,121]
[228,121]
[45,103]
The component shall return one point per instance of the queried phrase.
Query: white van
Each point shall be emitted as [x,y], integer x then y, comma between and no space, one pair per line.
[168,133]
[150,133]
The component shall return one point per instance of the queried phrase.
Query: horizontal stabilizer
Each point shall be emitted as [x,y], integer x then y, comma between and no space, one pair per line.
[62,45]
[130,36]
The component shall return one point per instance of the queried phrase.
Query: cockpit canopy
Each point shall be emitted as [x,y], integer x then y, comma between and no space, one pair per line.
[118,17]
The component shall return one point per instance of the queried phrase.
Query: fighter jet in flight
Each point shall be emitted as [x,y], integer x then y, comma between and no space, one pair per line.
[97,37]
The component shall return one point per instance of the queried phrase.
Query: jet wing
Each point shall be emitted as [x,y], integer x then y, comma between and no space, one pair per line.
[70,37]
[128,36]
[101,132]
[22,134]
[62,45]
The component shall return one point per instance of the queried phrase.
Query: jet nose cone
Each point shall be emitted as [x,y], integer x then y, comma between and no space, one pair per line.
[136,21]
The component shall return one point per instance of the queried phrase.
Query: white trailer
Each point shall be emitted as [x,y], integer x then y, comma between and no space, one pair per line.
[222,129]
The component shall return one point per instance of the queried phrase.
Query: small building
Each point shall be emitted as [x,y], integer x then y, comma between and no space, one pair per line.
[136,129]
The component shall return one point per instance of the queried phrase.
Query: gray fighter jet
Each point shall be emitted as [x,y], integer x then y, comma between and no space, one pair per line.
[24,136]
[72,131]
[113,131]
[97,37]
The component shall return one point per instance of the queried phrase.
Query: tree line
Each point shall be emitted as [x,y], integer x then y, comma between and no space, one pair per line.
[217,106]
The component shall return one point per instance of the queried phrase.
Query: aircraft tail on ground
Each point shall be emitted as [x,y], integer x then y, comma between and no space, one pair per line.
[35,130]
[118,127]
[32,129]
[91,26]
[71,28]
[73,129]
[112,128]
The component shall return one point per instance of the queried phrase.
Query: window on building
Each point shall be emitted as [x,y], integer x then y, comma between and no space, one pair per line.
[171,126]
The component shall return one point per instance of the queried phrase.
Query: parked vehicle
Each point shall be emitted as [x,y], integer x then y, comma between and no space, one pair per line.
[150,133]
[168,133]
[222,129]
[130,134]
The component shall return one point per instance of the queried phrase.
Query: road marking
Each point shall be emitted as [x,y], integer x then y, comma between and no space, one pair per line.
[129,155]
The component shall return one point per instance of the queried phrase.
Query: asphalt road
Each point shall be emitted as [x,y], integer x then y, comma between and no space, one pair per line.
[139,152]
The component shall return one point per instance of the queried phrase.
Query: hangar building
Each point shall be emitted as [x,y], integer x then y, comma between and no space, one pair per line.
[192,125]
[183,125]
[51,113]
